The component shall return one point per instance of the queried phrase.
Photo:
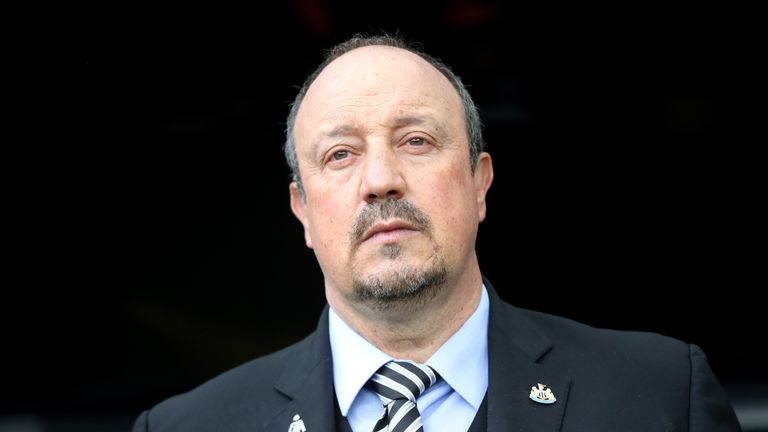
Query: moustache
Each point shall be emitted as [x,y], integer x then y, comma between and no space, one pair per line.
[383,210]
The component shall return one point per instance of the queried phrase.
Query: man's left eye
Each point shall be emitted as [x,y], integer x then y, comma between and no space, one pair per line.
[417,141]
[339,155]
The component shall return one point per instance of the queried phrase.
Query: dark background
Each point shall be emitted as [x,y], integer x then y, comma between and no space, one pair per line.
[156,245]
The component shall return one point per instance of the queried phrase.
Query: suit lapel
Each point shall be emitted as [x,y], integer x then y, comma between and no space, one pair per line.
[307,381]
[517,352]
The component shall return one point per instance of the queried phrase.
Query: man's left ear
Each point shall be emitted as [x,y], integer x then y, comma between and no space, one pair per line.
[483,179]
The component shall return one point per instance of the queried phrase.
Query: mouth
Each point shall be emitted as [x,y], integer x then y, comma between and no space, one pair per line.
[389,232]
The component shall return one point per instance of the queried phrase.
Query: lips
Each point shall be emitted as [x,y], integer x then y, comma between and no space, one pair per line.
[388,229]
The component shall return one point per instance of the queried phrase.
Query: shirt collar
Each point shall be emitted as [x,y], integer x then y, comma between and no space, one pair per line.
[462,361]
[355,360]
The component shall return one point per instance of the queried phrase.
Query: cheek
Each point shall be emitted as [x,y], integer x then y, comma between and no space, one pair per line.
[330,223]
[452,203]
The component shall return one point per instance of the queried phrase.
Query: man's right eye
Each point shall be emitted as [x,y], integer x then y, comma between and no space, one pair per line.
[339,155]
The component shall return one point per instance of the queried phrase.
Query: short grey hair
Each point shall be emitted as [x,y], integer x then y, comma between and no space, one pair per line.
[472,116]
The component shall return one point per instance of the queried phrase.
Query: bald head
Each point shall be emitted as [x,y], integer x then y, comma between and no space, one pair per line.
[376,86]
[472,123]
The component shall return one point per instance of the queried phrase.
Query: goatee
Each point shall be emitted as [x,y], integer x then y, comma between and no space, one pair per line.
[406,289]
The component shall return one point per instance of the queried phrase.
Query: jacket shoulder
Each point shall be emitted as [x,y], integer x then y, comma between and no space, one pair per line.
[631,374]
[246,391]
[568,334]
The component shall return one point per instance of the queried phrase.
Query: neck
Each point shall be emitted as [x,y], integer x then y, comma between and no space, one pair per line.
[409,333]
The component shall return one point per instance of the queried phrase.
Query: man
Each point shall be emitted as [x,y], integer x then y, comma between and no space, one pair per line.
[390,180]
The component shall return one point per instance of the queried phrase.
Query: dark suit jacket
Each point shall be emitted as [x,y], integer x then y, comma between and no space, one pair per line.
[604,380]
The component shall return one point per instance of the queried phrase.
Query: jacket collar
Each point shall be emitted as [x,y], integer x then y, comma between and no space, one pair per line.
[307,380]
[517,354]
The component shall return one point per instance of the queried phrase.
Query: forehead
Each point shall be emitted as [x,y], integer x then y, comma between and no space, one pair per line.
[379,84]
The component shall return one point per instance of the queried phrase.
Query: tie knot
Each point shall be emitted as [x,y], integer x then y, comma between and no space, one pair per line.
[402,380]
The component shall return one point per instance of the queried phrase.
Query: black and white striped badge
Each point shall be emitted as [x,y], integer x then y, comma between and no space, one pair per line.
[398,384]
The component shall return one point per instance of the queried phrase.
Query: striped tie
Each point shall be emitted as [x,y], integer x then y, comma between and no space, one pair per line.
[398,384]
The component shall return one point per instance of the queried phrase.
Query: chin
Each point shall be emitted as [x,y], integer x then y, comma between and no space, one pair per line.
[398,286]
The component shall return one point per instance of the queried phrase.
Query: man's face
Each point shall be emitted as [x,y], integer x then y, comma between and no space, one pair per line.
[390,199]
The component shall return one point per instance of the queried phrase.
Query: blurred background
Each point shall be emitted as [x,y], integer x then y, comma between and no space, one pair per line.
[154,247]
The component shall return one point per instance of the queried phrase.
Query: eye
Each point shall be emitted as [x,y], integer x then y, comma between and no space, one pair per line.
[339,155]
[417,144]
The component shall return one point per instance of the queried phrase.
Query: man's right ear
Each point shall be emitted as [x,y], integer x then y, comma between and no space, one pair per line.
[298,206]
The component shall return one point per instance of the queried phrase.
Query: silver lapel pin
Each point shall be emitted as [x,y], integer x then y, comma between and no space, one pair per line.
[542,394]
[297,425]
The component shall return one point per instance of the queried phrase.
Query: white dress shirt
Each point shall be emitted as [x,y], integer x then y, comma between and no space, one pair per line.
[450,404]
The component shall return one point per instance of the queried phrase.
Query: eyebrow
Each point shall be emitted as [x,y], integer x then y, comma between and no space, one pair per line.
[339,131]
[399,122]
[421,120]
[412,120]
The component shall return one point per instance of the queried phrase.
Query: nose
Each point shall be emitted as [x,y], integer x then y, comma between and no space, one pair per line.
[382,176]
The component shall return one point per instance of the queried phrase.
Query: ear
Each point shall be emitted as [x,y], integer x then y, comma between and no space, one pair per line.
[483,179]
[298,206]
